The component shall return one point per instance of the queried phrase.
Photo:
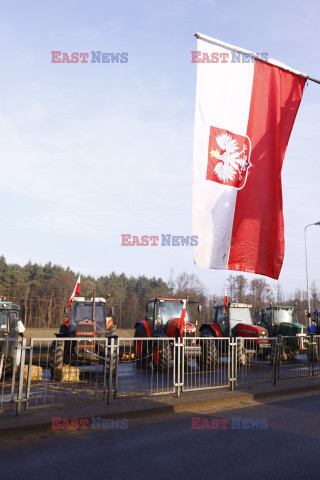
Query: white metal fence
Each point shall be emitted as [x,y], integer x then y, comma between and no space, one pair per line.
[45,372]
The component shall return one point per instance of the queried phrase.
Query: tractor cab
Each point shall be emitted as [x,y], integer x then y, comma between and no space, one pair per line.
[165,318]
[279,319]
[228,318]
[11,328]
[10,325]
[161,310]
[165,315]
[275,315]
[88,316]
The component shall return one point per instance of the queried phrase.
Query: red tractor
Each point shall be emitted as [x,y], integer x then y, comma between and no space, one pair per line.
[88,321]
[233,321]
[166,317]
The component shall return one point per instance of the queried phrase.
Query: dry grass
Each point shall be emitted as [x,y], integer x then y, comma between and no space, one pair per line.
[50,332]
[125,332]
[40,332]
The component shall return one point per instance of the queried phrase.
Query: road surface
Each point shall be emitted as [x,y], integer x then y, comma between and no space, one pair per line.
[166,447]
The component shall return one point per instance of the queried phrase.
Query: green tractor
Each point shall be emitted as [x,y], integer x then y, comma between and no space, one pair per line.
[279,320]
[11,333]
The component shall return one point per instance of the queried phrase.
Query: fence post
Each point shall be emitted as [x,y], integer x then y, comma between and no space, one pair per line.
[22,362]
[179,368]
[112,371]
[177,364]
[312,351]
[105,369]
[29,375]
[233,356]
[115,373]
[14,369]
[277,360]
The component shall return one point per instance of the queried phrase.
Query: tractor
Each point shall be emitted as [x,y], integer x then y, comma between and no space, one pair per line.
[11,328]
[87,321]
[165,318]
[279,320]
[233,320]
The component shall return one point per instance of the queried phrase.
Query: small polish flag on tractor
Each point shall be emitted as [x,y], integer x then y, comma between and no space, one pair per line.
[301,345]
[226,300]
[75,292]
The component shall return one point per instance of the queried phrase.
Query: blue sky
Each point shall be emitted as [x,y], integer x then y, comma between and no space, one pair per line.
[90,151]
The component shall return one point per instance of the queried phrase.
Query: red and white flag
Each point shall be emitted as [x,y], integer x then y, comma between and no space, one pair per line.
[244,116]
[75,292]
[226,300]
[301,345]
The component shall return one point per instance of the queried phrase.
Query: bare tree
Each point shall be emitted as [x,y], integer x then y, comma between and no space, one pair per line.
[278,293]
[314,295]
[241,285]
[231,287]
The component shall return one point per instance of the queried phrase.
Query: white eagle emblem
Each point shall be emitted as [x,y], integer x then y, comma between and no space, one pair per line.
[231,160]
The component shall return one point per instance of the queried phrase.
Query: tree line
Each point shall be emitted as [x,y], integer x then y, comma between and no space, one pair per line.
[42,291]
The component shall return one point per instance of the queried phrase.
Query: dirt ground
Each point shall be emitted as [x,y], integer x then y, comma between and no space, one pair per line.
[49,332]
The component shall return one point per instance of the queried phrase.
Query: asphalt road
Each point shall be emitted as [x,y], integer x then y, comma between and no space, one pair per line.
[167,447]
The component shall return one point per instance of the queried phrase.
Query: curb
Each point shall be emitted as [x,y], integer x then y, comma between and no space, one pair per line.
[178,408]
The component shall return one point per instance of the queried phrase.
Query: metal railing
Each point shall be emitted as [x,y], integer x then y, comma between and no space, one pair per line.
[255,359]
[145,366]
[46,371]
[297,357]
[206,363]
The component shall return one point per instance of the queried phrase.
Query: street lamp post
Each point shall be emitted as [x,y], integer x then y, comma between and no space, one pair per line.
[305,244]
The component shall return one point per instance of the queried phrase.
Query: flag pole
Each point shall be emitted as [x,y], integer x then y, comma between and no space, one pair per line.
[271,61]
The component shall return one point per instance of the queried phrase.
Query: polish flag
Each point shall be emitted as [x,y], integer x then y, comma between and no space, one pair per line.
[301,345]
[75,292]
[243,120]
[183,322]
[226,300]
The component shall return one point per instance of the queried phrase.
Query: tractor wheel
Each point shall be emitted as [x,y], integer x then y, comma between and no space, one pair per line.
[313,353]
[317,349]
[261,353]
[291,354]
[272,352]
[141,348]
[101,349]
[241,353]
[56,358]
[209,350]
[161,357]
[114,361]
[63,330]
[9,359]
[285,355]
